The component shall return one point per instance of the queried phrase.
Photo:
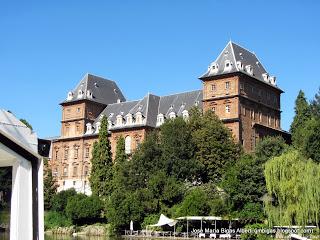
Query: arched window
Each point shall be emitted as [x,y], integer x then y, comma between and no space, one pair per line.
[127,145]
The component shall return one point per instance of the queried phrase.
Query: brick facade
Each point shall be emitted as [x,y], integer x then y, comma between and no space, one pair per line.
[244,98]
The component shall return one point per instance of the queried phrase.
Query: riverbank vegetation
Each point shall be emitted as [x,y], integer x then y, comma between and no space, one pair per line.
[194,167]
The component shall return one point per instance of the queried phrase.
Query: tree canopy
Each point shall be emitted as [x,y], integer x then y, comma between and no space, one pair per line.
[101,171]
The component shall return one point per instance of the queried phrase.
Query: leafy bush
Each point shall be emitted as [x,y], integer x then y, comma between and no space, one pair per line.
[196,203]
[60,200]
[54,219]
[150,219]
[83,210]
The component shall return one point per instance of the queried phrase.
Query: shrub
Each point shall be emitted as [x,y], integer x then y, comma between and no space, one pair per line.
[84,210]
[54,219]
[60,200]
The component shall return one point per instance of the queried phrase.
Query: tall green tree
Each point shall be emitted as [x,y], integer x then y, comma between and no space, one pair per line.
[315,104]
[244,182]
[311,145]
[293,188]
[269,147]
[215,146]
[49,185]
[302,115]
[102,165]
[120,173]
[144,162]
[178,150]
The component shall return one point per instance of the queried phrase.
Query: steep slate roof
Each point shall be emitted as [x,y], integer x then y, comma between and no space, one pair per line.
[234,53]
[150,106]
[103,90]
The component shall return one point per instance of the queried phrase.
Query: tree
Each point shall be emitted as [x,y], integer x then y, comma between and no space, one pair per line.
[102,166]
[60,200]
[49,185]
[166,190]
[315,104]
[244,182]
[120,172]
[311,146]
[293,188]
[144,162]
[178,150]
[195,203]
[303,114]
[215,146]
[269,147]
[25,122]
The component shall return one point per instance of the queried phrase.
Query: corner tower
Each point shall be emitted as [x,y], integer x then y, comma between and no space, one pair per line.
[244,96]
[71,152]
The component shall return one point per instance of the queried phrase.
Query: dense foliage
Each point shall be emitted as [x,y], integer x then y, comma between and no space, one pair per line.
[293,182]
[101,171]
[194,167]
[49,185]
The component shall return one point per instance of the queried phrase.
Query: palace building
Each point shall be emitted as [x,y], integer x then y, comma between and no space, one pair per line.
[236,87]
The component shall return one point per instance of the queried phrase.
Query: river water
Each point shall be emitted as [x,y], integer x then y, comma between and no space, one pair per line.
[4,236]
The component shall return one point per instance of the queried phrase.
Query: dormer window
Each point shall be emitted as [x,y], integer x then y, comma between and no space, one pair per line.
[129,119]
[213,68]
[138,118]
[185,115]
[160,119]
[172,115]
[227,65]
[273,80]
[98,125]
[119,120]
[249,69]
[70,96]
[265,77]
[239,65]
[89,128]
[80,94]
[109,124]
[89,94]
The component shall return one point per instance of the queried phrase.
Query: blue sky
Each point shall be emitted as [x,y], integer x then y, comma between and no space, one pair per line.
[147,46]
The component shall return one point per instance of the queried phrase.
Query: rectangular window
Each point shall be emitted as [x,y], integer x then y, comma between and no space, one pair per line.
[65,171]
[75,171]
[56,155]
[76,152]
[260,117]
[241,86]
[227,108]
[252,114]
[213,109]
[66,154]
[87,152]
[227,85]
[269,120]
[213,87]
[243,110]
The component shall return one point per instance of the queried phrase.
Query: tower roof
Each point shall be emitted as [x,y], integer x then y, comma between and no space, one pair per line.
[96,89]
[235,58]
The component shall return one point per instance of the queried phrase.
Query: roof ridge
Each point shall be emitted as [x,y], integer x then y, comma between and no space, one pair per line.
[180,93]
[234,56]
